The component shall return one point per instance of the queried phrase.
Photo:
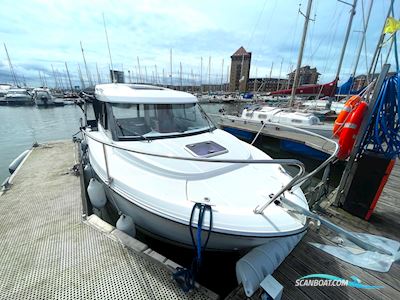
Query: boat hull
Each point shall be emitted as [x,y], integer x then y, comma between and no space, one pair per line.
[177,233]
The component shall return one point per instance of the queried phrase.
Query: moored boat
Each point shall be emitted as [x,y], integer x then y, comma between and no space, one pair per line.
[157,154]
[17,96]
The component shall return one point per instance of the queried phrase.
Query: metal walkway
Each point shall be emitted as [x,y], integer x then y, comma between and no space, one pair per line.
[47,252]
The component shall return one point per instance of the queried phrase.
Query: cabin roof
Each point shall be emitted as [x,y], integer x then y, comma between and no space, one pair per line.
[140,93]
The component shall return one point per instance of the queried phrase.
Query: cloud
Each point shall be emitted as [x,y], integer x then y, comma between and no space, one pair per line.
[40,34]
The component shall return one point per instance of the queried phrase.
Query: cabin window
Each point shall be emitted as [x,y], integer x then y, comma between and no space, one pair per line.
[262,116]
[297,121]
[151,121]
[249,114]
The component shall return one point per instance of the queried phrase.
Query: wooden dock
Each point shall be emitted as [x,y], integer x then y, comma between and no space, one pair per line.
[305,259]
[48,251]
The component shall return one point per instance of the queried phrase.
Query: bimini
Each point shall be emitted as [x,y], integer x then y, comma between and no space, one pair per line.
[157,154]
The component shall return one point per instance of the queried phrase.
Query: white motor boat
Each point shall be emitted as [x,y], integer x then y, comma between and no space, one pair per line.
[43,97]
[18,96]
[4,89]
[303,120]
[157,154]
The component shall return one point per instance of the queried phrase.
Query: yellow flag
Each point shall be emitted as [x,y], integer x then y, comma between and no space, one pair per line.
[392,25]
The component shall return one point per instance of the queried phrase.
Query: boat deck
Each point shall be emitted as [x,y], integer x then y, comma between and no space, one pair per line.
[48,252]
[305,259]
[272,130]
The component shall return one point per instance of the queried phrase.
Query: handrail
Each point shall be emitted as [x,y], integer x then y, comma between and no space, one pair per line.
[300,180]
[288,186]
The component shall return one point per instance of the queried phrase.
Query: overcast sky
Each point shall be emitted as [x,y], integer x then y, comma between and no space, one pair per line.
[39,34]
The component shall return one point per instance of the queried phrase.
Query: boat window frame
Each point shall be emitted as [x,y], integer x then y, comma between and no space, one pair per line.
[112,124]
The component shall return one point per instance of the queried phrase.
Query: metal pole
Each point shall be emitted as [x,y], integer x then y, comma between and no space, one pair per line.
[374,61]
[352,13]
[180,73]
[280,73]
[14,76]
[69,78]
[201,74]
[222,73]
[55,77]
[209,73]
[86,67]
[170,66]
[365,25]
[80,76]
[140,74]
[351,165]
[109,51]
[98,74]
[300,57]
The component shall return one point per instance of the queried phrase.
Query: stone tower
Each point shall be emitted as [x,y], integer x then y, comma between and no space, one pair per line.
[240,70]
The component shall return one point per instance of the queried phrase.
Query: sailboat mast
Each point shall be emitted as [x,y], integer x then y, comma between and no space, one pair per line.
[86,67]
[80,77]
[11,67]
[352,13]
[365,26]
[109,51]
[209,73]
[69,78]
[98,74]
[140,73]
[300,57]
[170,66]
[379,45]
[55,77]
[201,74]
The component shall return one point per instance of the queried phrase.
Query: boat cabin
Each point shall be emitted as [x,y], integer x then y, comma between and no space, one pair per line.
[129,112]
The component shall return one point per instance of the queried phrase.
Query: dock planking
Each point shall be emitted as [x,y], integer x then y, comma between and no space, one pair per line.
[49,252]
[306,260]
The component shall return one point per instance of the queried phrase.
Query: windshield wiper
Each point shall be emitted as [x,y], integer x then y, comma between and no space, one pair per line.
[134,132]
[210,123]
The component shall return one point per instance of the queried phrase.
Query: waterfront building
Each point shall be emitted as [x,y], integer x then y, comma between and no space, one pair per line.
[240,70]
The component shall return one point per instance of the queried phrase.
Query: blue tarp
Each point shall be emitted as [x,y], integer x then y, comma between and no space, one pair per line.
[345,88]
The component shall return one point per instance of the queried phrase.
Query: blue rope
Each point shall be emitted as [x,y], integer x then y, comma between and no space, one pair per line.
[383,135]
[185,277]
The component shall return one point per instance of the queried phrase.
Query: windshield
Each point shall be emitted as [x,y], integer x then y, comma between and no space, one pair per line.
[159,120]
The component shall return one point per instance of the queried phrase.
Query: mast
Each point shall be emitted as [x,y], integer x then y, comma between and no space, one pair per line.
[303,39]
[140,73]
[156,74]
[145,74]
[55,77]
[201,74]
[227,77]
[109,51]
[40,78]
[222,73]
[379,45]
[280,73]
[69,78]
[346,38]
[80,77]
[86,67]
[365,26]
[180,73]
[255,83]
[209,73]
[98,74]
[170,66]
[14,76]
[129,73]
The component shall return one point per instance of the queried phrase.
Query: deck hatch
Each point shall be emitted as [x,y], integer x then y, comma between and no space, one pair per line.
[205,149]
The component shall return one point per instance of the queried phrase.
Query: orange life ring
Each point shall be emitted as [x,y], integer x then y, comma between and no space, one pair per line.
[350,130]
[341,118]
